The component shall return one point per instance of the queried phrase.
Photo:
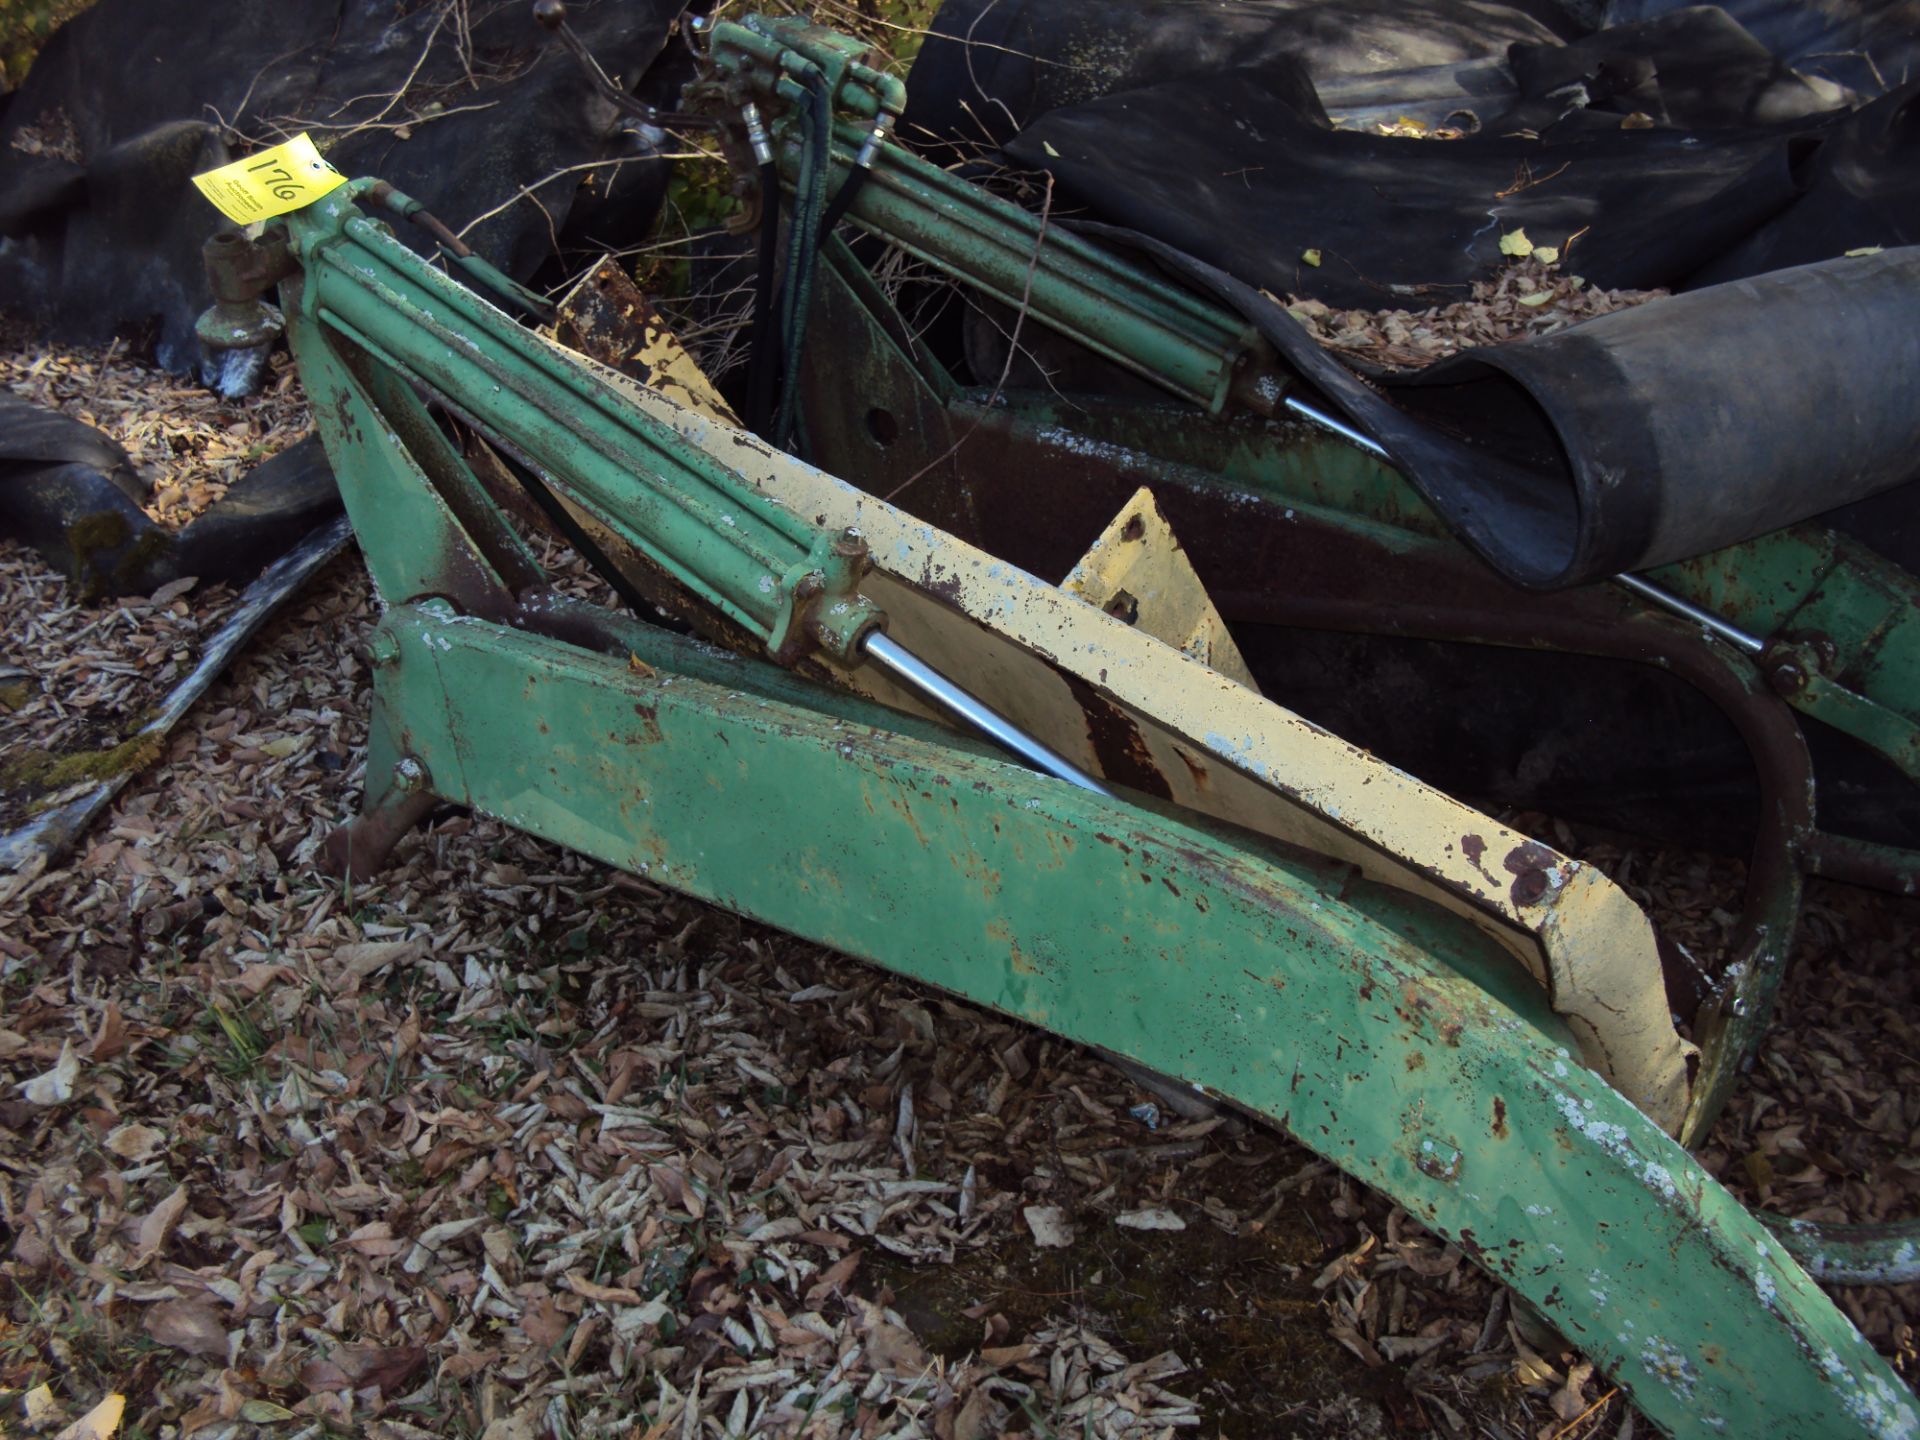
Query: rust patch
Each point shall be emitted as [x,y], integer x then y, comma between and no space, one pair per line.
[899,802]
[1002,932]
[1500,1129]
[1530,865]
[647,733]
[1117,741]
[1473,847]
[945,587]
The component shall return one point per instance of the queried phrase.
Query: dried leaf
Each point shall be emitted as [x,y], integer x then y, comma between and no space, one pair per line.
[834,1278]
[157,1224]
[1150,1219]
[889,1346]
[173,590]
[386,1368]
[374,956]
[545,1322]
[40,1406]
[1516,244]
[110,1038]
[99,1423]
[55,1087]
[979,1418]
[607,1294]
[434,1240]
[190,1325]
[135,1142]
[676,1190]
[1050,1226]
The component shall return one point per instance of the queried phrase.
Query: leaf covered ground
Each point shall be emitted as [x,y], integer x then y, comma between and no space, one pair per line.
[509,1145]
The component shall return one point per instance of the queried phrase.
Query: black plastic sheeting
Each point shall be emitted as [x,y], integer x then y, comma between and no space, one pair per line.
[103,229]
[992,67]
[1869,45]
[1675,149]
[1236,170]
[100,227]
[76,497]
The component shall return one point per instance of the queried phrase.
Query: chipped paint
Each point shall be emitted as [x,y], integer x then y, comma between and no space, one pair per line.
[1582,937]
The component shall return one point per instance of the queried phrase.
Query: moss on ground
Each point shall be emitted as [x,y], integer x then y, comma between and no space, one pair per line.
[44,771]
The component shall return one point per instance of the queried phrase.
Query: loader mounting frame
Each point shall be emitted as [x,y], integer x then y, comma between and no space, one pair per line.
[1414,1025]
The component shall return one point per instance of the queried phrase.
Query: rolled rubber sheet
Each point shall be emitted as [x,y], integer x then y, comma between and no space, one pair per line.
[1647,435]
[1674,150]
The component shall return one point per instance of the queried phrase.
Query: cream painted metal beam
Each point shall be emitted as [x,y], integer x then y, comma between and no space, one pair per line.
[1136,711]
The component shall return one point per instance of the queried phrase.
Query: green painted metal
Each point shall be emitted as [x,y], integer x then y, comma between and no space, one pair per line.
[781,578]
[413,538]
[1846,624]
[1888,867]
[239,273]
[1880,728]
[1387,1035]
[1115,307]
[1293,475]
[1338,1010]
[1197,350]
[1886,1254]
[766,53]
[1859,615]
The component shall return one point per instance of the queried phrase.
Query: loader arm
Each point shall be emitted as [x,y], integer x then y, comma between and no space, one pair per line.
[1392,978]
[1799,623]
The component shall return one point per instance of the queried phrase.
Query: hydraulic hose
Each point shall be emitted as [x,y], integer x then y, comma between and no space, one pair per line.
[803,249]
[764,341]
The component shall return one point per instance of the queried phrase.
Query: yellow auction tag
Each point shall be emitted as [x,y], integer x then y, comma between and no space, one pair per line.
[270,183]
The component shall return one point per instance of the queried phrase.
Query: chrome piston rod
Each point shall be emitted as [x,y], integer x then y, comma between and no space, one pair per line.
[1645,589]
[923,679]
